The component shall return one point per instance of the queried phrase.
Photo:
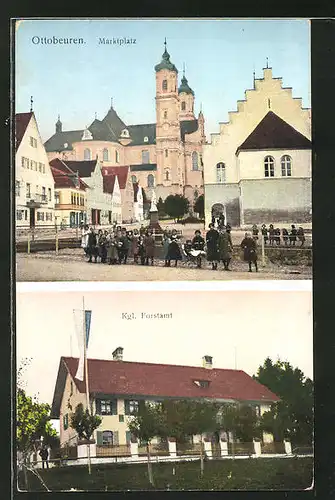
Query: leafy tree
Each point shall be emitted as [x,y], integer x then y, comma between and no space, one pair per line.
[145,425]
[176,205]
[199,206]
[240,420]
[292,416]
[84,424]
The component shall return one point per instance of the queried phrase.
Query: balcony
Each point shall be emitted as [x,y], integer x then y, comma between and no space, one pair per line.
[36,200]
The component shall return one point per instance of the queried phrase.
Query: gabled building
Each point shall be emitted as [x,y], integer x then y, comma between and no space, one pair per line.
[99,202]
[138,202]
[126,188]
[257,169]
[111,186]
[34,183]
[70,195]
[165,156]
[117,386]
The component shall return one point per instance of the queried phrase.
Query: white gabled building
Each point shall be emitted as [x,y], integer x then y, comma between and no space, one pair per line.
[138,202]
[112,186]
[34,182]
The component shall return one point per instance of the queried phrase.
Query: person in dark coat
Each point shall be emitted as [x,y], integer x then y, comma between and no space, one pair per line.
[174,252]
[277,236]
[123,246]
[271,234]
[142,230]
[212,238]
[284,233]
[44,454]
[264,232]
[213,220]
[198,243]
[248,245]
[102,245]
[293,235]
[225,248]
[165,243]
[149,245]
[112,253]
[301,236]
[141,249]
[134,245]
[221,221]
[92,250]
[255,232]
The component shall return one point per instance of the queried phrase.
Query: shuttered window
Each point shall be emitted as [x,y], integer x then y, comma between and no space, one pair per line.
[106,406]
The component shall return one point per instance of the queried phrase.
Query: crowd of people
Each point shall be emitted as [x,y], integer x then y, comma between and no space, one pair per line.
[274,236]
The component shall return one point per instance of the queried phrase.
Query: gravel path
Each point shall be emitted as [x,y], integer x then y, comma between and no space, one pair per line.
[71,265]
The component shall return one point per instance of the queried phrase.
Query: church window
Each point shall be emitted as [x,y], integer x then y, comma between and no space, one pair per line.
[286,166]
[165,114]
[269,166]
[164,85]
[105,155]
[220,172]
[183,106]
[167,174]
[151,180]
[195,162]
[145,156]
[117,156]
[133,179]
[166,153]
[87,154]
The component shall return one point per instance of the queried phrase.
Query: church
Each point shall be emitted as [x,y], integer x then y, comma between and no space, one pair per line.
[257,168]
[165,156]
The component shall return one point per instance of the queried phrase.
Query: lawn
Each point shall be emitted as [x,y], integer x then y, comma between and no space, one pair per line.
[246,474]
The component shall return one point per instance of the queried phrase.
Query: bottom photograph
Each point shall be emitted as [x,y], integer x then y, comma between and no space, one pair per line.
[164,390]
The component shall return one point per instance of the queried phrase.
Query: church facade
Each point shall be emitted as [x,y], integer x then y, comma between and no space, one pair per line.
[257,169]
[165,156]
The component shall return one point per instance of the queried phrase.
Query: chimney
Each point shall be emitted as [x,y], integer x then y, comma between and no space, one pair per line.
[118,354]
[207,361]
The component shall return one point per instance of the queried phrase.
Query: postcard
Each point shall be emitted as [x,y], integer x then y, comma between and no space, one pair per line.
[162,149]
[129,390]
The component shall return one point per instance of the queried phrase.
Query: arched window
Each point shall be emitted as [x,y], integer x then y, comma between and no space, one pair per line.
[105,155]
[165,114]
[145,156]
[87,154]
[183,105]
[269,166]
[151,180]
[107,438]
[220,172]
[286,166]
[117,156]
[164,85]
[167,174]
[133,179]
[195,161]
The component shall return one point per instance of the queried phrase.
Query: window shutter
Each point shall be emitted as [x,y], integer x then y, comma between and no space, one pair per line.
[116,438]
[99,438]
[128,437]
[98,406]
[126,407]
[114,407]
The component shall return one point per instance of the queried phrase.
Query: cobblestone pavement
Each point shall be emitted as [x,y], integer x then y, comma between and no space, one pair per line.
[71,265]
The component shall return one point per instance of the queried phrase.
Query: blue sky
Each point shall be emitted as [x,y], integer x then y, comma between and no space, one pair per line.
[77,81]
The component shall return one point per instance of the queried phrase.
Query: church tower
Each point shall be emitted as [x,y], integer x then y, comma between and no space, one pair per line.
[169,175]
[186,98]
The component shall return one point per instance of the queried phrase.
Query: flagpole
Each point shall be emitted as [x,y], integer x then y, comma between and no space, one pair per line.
[85,357]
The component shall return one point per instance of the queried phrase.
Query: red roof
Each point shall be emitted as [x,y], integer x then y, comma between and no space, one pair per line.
[21,123]
[121,172]
[64,176]
[109,183]
[126,378]
[273,132]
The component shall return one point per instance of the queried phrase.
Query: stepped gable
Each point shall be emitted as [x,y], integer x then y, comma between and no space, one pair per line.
[21,123]
[139,132]
[273,132]
[124,378]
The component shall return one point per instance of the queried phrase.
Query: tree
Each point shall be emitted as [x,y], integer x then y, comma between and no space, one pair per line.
[84,424]
[176,205]
[292,416]
[240,420]
[199,206]
[145,425]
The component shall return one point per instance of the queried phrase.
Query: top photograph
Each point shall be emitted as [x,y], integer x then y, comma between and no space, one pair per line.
[162,149]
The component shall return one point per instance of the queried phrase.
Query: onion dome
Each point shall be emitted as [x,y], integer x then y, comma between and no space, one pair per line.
[184,87]
[165,62]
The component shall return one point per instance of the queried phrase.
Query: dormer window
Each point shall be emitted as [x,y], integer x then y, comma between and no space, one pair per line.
[87,135]
[66,145]
[202,383]
[124,133]
[146,139]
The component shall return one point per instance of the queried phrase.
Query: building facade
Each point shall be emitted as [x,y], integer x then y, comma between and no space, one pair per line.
[165,156]
[34,182]
[257,169]
[116,387]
